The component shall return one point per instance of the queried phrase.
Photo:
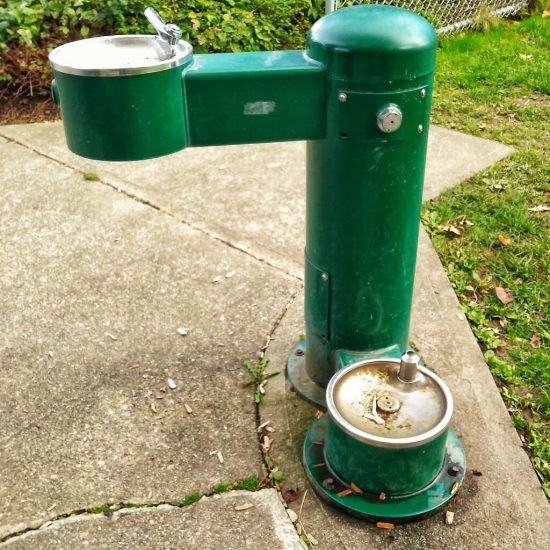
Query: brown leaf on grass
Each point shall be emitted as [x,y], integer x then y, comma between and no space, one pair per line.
[451,228]
[539,208]
[504,241]
[505,296]
[535,341]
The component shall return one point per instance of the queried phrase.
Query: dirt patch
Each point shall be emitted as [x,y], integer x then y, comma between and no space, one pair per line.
[533,101]
[25,90]
[19,110]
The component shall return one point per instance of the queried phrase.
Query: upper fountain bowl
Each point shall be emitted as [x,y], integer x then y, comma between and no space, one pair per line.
[122,55]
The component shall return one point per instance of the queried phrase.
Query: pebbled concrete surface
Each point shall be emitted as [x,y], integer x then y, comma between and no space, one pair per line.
[94,287]
[95,279]
[504,507]
[266,183]
[212,523]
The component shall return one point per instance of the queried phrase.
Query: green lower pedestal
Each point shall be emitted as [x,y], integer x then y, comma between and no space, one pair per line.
[394,509]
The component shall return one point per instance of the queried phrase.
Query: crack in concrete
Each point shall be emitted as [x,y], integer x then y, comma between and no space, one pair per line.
[85,512]
[109,510]
[278,321]
[265,454]
[146,202]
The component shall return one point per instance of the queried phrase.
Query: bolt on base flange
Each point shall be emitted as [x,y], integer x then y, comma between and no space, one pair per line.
[300,379]
[377,507]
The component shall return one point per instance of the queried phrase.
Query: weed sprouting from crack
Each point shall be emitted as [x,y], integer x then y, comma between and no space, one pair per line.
[258,377]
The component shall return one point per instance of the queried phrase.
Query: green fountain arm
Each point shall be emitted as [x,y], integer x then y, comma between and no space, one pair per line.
[254,97]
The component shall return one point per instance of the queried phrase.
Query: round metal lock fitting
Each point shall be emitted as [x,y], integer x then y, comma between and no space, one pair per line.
[389,119]
[388,404]
[342,97]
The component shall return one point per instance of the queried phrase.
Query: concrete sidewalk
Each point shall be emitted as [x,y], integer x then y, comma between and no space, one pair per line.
[96,277]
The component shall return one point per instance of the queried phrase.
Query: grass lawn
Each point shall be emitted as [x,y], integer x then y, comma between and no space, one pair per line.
[492,232]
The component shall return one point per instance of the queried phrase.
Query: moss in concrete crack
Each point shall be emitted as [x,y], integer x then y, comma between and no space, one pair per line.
[191,498]
[102,509]
[222,488]
[251,483]
[136,505]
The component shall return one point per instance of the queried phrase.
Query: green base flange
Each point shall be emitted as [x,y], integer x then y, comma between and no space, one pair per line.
[300,379]
[393,509]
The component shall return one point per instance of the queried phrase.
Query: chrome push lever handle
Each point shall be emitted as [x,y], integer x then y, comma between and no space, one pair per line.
[168,34]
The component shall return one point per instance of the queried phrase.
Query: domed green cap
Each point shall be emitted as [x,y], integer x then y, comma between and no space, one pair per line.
[373,43]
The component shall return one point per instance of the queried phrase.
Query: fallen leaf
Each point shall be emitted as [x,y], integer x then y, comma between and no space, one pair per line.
[539,208]
[382,496]
[355,489]
[505,296]
[312,539]
[535,341]
[344,492]
[292,515]
[318,414]
[384,525]
[241,507]
[450,228]
[291,495]
[504,241]
[263,425]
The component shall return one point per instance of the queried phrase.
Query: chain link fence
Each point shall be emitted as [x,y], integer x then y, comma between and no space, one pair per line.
[446,15]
